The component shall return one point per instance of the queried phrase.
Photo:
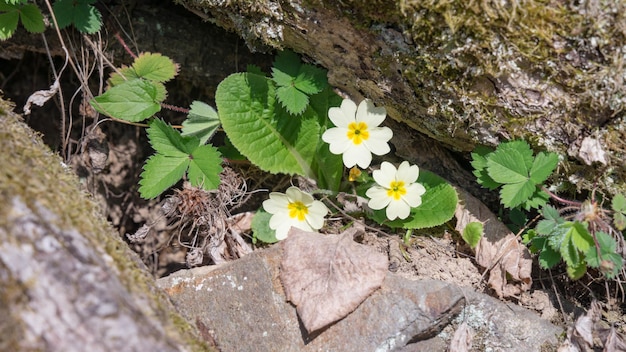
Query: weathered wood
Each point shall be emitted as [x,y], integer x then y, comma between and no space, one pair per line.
[67,280]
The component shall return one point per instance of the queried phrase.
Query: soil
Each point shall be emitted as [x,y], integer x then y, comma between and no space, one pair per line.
[108,157]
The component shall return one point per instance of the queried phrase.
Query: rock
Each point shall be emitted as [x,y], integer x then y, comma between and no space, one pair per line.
[240,306]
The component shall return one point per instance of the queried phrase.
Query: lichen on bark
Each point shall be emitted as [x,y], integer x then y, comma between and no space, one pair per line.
[467,73]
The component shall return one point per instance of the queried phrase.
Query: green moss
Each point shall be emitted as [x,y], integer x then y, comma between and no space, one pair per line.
[33,173]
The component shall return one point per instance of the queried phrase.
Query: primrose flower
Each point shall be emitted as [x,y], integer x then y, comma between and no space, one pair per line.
[294,208]
[357,134]
[396,190]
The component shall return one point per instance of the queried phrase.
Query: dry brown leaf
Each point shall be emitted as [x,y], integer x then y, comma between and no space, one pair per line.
[40,97]
[462,339]
[499,250]
[327,276]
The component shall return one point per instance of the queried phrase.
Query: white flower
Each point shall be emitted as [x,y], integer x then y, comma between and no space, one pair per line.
[396,190]
[294,208]
[357,134]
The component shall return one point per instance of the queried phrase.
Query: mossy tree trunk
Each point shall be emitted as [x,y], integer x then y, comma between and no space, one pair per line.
[67,281]
[467,73]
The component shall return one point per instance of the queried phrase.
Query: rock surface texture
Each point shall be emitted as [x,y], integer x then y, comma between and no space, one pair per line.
[240,306]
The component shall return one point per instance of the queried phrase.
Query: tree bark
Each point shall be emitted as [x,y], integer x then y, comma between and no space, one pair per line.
[67,281]
[467,73]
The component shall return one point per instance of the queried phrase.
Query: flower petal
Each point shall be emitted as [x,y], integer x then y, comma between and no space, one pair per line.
[281,231]
[385,174]
[378,197]
[279,219]
[338,141]
[398,209]
[317,212]
[278,202]
[378,141]
[413,196]
[370,114]
[407,172]
[342,116]
[357,155]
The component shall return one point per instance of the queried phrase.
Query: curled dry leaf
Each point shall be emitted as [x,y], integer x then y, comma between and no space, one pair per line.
[327,276]
[499,251]
[590,332]
[40,97]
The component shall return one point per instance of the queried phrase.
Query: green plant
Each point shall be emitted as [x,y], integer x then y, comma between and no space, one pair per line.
[280,124]
[584,238]
[79,13]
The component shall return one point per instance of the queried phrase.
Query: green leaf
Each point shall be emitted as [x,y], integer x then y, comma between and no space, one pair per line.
[543,166]
[167,141]
[125,74]
[80,13]
[619,220]
[479,163]
[8,24]
[618,203]
[32,19]
[577,271]
[155,67]
[205,168]
[438,205]
[514,194]
[296,81]
[579,235]
[609,262]
[261,130]
[507,167]
[472,233]
[201,122]
[548,257]
[537,200]
[133,100]
[261,228]
[160,172]
[521,147]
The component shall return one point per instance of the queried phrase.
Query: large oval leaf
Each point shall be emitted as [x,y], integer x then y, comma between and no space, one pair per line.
[262,130]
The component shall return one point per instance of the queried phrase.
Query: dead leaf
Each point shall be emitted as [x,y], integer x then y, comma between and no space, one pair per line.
[499,251]
[40,97]
[462,339]
[327,276]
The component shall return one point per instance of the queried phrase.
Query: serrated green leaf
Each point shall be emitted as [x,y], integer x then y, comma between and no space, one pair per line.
[205,167]
[292,99]
[63,12]
[311,79]
[167,141]
[155,67]
[8,24]
[557,237]
[87,19]
[438,205]
[570,254]
[160,173]
[548,257]
[80,13]
[133,100]
[202,121]
[543,166]
[472,233]
[579,236]
[521,147]
[551,213]
[254,69]
[32,19]
[618,203]
[514,194]
[286,67]
[479,163]
[537,200]
[261,228]
[507,167]
[577,271]
[261,131]
[124,74]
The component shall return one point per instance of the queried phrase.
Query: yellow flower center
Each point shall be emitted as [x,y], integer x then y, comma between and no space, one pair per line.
[396,189]
[357,132]
[297,210]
